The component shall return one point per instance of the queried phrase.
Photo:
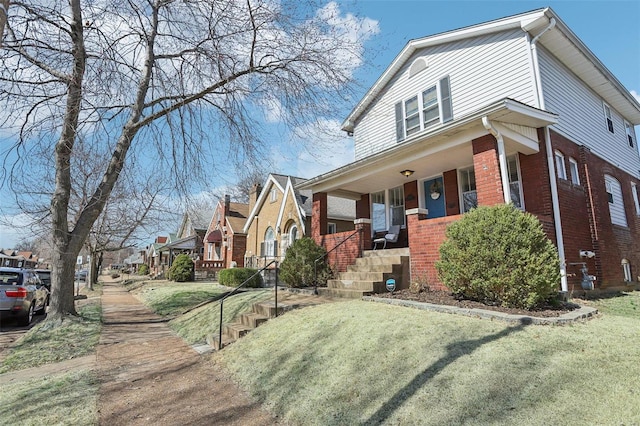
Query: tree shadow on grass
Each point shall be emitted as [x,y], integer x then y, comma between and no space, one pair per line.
[454,351]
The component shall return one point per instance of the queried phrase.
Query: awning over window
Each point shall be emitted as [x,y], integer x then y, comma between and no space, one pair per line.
[214,237]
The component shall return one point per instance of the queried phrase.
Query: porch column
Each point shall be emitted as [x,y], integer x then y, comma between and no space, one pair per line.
[487,171]
[319,216]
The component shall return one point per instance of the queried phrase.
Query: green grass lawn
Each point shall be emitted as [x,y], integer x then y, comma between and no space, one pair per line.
[169,298]
[366,363]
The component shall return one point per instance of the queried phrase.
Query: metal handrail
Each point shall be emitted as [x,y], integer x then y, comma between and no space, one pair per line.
[235,291]
[315,262]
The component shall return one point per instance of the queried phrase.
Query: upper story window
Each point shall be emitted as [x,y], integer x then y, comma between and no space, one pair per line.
[573,168]
[631,136]
[608,117]
[561,171]
[432,106]
[274,195]
[616,203]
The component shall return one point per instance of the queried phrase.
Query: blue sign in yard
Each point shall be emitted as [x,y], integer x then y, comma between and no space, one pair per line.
[391,284]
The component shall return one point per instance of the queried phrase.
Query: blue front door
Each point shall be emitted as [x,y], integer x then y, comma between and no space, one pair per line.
[434,196]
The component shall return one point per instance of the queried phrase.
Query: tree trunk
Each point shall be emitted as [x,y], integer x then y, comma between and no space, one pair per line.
[62,282]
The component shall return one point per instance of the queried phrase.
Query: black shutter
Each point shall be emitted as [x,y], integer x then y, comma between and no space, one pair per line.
[399,123]
[445,97]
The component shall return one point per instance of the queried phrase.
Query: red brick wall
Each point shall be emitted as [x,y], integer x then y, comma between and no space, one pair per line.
[350,250]
[411,195]
[319,215]
[451,194]
[425,238]
[487,171]
[238,249]
[363,209]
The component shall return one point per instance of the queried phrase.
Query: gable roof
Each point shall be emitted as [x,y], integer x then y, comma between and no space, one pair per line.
[559,40]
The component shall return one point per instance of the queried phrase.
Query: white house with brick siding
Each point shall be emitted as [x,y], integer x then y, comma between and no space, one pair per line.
[513,110]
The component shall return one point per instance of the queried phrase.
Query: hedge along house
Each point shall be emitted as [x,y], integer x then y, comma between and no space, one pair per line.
[225,241]
[516,110]
[280,214]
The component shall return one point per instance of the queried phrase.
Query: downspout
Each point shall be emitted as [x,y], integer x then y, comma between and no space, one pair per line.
[502,158]
[551,163]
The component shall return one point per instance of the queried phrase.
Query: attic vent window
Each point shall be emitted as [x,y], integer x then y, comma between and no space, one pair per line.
[417,66]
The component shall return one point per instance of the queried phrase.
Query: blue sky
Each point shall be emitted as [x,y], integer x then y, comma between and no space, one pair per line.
[610,29]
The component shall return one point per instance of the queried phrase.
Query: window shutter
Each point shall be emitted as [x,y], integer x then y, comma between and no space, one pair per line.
[445,98]
[262,253]
[399,122]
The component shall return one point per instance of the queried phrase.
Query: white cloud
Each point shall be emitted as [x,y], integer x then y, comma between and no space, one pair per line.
[635,95]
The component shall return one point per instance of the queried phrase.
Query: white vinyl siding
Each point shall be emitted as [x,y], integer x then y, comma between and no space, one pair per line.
[582,117]
[616,202]
[481,70]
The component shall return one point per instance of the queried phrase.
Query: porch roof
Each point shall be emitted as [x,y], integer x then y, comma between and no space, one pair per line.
[430,153]
[187,243]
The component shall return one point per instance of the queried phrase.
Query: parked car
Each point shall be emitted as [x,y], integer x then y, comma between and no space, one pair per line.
[81,275]
[45,277]
[22,294]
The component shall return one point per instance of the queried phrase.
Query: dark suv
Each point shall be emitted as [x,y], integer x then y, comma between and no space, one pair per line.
[22,294]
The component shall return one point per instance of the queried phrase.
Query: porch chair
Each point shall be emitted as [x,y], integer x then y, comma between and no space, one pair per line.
[391,237]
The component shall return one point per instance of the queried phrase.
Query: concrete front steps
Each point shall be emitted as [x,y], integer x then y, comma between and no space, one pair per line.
[370,273]
[260,313]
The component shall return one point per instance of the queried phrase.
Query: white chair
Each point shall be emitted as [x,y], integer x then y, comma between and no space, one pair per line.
[390,237]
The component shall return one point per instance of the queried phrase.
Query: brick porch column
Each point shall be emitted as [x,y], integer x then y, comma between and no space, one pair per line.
[319,217]
[487,171]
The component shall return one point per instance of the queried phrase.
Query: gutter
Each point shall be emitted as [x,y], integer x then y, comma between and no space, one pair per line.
[502,158]
[557,222]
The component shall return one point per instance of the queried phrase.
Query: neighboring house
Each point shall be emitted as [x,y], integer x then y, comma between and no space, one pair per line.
[225,240]
[189,239]
[280,214]
[158,259]
[516,110]
[18,259]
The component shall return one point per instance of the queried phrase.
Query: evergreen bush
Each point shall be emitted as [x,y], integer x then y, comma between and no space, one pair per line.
[143,269]
[499,255]
[181,269]
[297,268]
[233,277]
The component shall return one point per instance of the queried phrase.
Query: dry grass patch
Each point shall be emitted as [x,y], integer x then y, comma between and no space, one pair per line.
[69,399]
[365,363]
[171,298]
[194,326]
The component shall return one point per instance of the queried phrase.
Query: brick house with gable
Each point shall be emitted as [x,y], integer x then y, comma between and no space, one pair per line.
[225,241]
[516,110]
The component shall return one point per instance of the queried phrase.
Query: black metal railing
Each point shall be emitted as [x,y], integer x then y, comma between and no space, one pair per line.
[315,262]
[237,289]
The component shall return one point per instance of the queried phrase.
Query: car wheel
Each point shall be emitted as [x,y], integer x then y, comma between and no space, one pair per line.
[26,319]
[43,309]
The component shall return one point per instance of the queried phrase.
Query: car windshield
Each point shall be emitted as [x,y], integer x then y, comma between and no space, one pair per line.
[9,278]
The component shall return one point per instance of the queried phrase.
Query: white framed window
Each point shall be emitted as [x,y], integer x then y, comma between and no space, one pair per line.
[514,182]
[468,192]
[561,171]
[616,203]
[210,251]
[573,169]
[631,135]
[431,106]
[387,209]
[293,234]
[634,193]
[332,228]
[269,243]
[608,117]
[626,270]
[274,195]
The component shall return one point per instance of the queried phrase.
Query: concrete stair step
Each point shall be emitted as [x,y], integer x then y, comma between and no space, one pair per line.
[215,343]
[369,286]
[379,260]
[383,267]
[236,330]
[363,276]
[252,319]
[386,252]
[268,309]
[343,293]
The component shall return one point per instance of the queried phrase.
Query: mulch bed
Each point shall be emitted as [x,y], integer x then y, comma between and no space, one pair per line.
[446,298]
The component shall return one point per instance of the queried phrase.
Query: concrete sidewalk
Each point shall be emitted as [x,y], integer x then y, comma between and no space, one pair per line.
[149,375]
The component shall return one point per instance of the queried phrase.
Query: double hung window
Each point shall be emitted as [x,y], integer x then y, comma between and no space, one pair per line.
[573,168]
[387,209]
[631,137]
[468,189]
[616,203]
[608,117]
[561,171]
[514,182]
[430,107]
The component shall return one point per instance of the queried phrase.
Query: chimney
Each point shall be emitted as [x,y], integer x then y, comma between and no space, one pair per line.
[256,189]
[227,203]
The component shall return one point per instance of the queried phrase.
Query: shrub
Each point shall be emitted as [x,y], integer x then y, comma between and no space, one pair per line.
[143,269]
[296,270]
[181,269]
[235,276]
[499,256]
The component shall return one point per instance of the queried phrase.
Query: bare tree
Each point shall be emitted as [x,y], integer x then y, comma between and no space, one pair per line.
[160,81]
